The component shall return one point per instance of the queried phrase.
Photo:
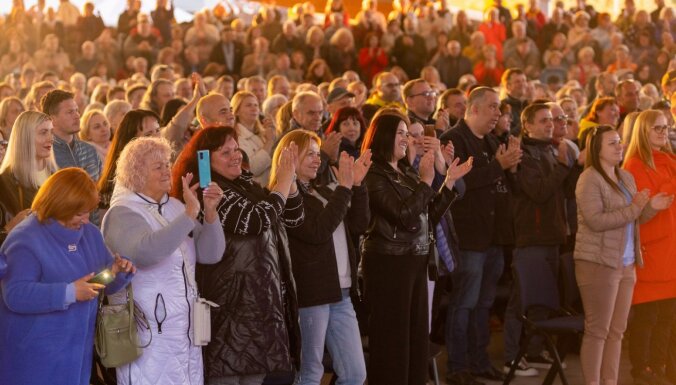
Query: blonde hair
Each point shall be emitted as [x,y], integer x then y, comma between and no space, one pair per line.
[65,194]
[84,123]
[627,126]
[20,158]
[302,139]
[5,104]
[236,103]
[132,166]
[639,146]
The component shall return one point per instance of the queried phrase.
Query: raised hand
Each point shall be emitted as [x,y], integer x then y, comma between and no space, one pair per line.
[448,151]
[562,157]
[85,291]
[286,169]
[426,168]
[345,170]
[457,171]
[122,265]
[361,167]
[331,145]
[192,204]
[211,196]
[661,201]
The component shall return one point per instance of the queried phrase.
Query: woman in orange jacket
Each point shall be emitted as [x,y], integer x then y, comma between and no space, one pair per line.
[652,162]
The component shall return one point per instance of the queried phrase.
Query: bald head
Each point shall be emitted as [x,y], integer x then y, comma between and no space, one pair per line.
[215,110]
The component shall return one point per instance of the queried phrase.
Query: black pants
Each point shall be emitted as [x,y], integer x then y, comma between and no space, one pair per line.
[396,290]
[652,337]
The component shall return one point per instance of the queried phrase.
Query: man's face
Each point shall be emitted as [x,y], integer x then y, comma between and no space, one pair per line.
[628,96]
[165,92]
[281,87]
[309,114]
[456,105]
[217,112]
[609,83]
[389,88]
[516,86]
[343,102]
[421,100]
[542,126]
[453,48]
[487,112]
[67,119]
[258,89]
[668,89]
[560,122]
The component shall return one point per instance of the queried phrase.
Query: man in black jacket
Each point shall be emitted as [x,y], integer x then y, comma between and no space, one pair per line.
[480,260]
[515,82]
[539,217]
[228,52]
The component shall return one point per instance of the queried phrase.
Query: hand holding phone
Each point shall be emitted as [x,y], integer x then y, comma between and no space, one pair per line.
[103,278]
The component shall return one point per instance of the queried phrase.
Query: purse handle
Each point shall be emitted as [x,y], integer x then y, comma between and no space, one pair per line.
[101,350]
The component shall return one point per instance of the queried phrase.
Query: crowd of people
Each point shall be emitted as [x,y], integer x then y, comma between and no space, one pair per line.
[359,166]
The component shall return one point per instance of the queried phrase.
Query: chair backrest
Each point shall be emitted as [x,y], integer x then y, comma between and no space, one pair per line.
[537,283]
[568,286]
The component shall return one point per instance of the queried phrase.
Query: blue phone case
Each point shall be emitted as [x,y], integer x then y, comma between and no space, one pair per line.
[204,166]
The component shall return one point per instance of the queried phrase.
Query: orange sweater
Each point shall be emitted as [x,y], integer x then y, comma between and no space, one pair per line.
[657,279]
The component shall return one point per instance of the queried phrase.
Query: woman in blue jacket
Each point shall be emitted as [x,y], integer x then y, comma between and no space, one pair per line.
[48,307]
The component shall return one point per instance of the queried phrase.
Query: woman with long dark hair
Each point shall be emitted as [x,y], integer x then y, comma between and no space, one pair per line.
[396,248]
[349,122]
[136,123]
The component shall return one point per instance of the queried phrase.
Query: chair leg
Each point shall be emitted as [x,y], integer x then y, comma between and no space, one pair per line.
[556,365]
[515,363]
[434,370]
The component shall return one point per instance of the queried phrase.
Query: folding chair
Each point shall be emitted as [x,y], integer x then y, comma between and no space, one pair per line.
[538,290]
[569,289]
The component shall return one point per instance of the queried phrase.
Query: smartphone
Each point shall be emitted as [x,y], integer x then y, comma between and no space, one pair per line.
[104,277]
[204,167]
[430,130]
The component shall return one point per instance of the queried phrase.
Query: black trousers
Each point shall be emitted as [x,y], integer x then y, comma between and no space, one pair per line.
[652,337]
[396,290]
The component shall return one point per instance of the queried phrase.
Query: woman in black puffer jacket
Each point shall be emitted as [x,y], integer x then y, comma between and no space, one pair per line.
[255,329]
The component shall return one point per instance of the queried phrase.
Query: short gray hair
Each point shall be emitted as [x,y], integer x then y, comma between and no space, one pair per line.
[132,166]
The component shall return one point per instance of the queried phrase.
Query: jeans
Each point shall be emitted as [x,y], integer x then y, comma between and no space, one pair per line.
[252,379]
[513,325]
[335,324]
[475,281]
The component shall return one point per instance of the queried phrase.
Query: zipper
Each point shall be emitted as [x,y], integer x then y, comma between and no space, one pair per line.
[395,232]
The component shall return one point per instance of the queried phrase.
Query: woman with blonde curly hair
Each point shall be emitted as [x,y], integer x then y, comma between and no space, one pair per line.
[165,239]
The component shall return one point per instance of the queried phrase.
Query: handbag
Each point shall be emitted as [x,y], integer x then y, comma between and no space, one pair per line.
[116,339]
[202,321]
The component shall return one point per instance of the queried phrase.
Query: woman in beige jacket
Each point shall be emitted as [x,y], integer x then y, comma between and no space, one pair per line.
[606,250]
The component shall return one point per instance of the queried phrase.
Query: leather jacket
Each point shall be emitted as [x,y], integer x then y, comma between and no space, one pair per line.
[402,208]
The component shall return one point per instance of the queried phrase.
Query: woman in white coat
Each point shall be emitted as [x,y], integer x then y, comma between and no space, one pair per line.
[163,237]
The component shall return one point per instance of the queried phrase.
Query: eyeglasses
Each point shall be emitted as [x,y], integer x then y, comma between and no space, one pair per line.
[561,118]
[661,129]
[427,94]
[392,85]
